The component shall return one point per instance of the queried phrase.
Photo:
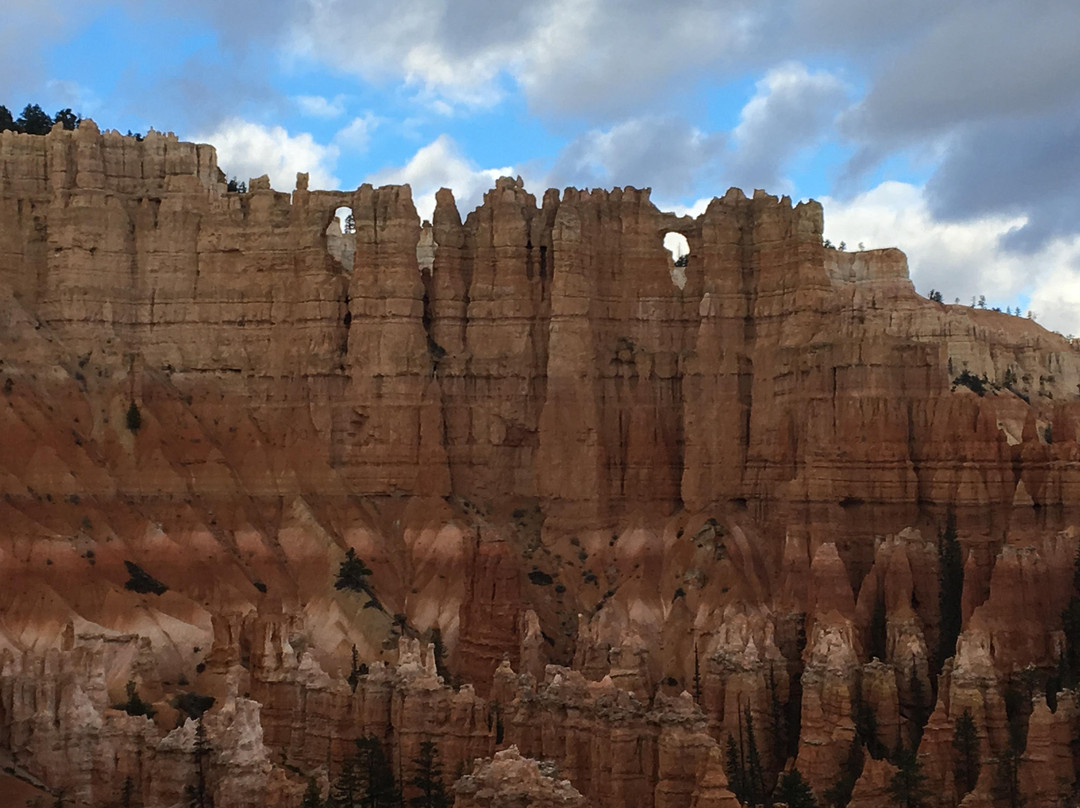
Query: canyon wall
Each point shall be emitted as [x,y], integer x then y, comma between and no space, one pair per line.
[642,504]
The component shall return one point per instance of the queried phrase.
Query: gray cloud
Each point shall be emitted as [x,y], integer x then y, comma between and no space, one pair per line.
[983,62]
[665,154]
[1029,166]
[791,110]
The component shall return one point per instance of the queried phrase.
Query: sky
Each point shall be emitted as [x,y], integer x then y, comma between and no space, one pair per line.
[950,130]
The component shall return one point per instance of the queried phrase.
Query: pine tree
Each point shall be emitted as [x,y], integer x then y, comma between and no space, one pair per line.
[376,776]
[352,573]
[755,776]
[312,796]
[1070,619]
[779,718]
[697,675]
[34,120]
[794,791]
[907,788]
[127,791]
[966,760]
[67,118]
[1007,778]
[919,712]
[734,769]
[354,670]
[198,796]
[838,794]
[133,418]
[428,779]
[950,591]
[347,790]
[878,629]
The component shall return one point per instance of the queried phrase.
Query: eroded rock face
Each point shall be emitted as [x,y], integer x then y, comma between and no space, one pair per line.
[607,516]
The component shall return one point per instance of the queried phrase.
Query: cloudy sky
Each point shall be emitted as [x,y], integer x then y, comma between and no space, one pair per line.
[951,129]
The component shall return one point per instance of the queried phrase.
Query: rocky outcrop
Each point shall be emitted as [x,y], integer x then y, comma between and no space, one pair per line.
[510,780]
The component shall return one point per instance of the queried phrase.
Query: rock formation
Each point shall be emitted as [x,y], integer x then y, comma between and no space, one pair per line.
[607,512]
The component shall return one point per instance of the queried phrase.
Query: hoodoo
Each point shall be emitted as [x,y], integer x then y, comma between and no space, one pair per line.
[279,502]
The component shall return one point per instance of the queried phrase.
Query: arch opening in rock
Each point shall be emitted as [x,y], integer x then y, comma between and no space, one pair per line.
[341,237]
[679,247]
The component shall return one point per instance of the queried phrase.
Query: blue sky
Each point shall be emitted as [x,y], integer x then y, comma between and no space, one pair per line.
[951,130]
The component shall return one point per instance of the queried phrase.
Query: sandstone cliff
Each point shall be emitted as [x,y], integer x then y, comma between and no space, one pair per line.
[633,509]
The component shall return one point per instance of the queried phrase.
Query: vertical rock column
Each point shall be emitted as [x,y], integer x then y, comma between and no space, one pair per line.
[393,434]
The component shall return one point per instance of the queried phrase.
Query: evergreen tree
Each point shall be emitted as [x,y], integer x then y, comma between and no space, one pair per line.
[352,573]
[794,791]
[198,795]
[34,120]
[734,769]
[919,712]
[68,118]
[356,670]
[376,776]
[1070,619]
[1007,778]
[697,674]
[838,794]
[133,418]
[966,760]
[347,790]
[907,788]
[755,776]
[134,704]
[127,791]
[312,796]
[7,122]
[428,779]
[779,719]
[950,590]
[866,729]
[878,629]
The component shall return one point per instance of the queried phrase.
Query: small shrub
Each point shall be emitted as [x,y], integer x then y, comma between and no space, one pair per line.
[142,582]
[974,383]
[134,418]
[135,705]
[541,578]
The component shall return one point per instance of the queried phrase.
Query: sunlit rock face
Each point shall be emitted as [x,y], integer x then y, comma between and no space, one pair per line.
[610,511]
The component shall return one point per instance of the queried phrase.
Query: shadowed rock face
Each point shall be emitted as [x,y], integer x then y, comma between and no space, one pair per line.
[543,441]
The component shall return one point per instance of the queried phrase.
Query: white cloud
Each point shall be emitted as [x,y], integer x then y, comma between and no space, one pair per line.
[440,164]
[357,134]
[247,149]
[318,106]
[963,259]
